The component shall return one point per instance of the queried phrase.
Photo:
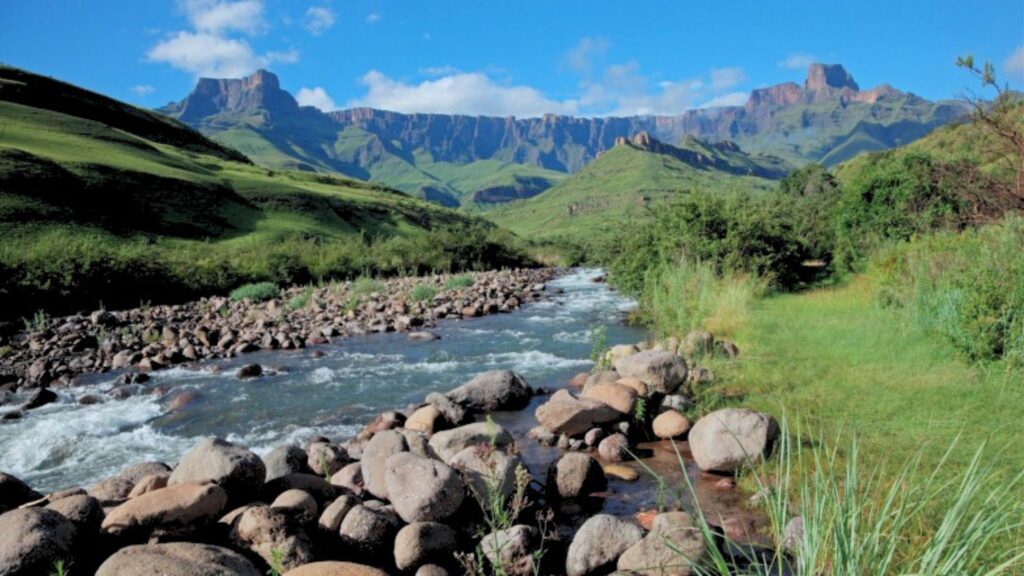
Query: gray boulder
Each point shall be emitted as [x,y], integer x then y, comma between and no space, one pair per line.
[729,438]
[176,559]
[273,535]
[565,414]
[33,539]
[574,475]
[447,443]
[672,548]
[283,460]
[422,543]
[369,530]
[116,489]
[663,371]
[375,456]
[176,509]
[84,511]
[494,390]
[598,543]
[512,549]
[487,470]
[423,489]
[234,468]
[334,513]
[14,493]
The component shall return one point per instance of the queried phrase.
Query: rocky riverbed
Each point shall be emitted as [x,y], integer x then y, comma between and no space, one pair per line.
[55,352]
[441,487]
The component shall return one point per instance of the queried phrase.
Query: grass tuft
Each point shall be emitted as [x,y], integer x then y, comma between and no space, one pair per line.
[258,292]
[423,293]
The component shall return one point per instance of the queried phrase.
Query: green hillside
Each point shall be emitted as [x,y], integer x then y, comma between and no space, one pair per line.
[110,202]
[617,188]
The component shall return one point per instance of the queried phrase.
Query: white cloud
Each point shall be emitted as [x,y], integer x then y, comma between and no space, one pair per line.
[142,90]
[1013,66]
[461,93]
[724,78]
[798,61]
[373,18]
[580,57]
[216,16]
[316,97]
[214,47]
[730,99]
[319,19]
[445,70]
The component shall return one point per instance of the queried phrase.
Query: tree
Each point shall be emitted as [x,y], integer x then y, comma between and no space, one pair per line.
[1002,116]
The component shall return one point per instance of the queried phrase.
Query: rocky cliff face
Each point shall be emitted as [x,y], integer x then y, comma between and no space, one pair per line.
[211,97]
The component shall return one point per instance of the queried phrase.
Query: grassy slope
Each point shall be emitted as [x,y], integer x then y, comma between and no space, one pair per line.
[80,200]
[613,190]
[842,365]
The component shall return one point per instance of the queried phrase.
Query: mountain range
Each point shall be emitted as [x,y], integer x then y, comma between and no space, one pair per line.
[479,161]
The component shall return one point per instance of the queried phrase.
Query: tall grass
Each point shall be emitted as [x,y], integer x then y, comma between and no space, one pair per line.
[257,292]
[860,519]
[690,294]
[967,287]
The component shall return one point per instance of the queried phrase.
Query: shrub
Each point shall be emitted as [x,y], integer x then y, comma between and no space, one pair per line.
[423,293]
[365,285]
[456,282]
[968,287]
[257,292]
[301,301]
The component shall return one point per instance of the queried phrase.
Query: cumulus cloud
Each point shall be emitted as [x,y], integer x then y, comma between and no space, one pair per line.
[724,78]
[580,57]
[798,61]
[316,97]
[1013,66]
[730,99]
[373,18]
[215,48]
[459,93]
[446,70]
[142,90]
[319,19]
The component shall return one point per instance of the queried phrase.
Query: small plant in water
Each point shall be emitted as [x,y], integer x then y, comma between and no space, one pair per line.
[640,410]
[599,347]
[276,562]
[60,568]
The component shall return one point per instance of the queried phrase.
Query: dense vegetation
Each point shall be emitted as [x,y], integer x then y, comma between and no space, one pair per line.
[132,207]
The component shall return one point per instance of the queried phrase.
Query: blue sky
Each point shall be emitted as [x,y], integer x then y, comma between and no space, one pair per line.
[518,57]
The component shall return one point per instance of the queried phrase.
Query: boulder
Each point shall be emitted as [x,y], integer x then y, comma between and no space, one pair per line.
[614,448]
[288,459]
[422,543]
[116,489]
[512,549]
[335,512]
[333,568]
[368,530]
[273,535]
[620,351]
[14,493]
[452,412]
[423,489]
[425,419]
[375,456]
[487,471]
[670,424]
[447,443]
[234,468]
[599,542]
[574,475]
[325,458]
[431,570]
[296,502]
[149,483]
[672,547]
[39,398]
[565,414]
[176,559]
[85,512]
[249,371]
[176,509]
[697,343]
[636,384]
[618,396]
[726,439]
[33,539]
[493,390]
[662,371]
[350,478]
[600,377]
[321,490]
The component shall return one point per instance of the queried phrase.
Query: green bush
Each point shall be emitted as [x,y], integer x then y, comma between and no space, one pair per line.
[365,285]
[456,282]
[257,292]
[968,287]
[423,293]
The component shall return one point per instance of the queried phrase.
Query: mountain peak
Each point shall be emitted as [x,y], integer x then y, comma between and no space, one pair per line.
[820,76]
[212,96]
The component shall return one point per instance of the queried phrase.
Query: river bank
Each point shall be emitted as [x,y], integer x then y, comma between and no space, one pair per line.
[53,352]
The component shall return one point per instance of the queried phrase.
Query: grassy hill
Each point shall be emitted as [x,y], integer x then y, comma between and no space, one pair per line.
[618,188]
[101,201]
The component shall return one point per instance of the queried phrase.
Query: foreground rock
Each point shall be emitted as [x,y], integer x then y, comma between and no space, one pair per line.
[566,414]
[727,439]
[14,493]
[237,470]
[33,539]
[422,543]
[273,535]
[448,443]
[180,509]
[423,489]
[598,544]
[672,548]
[661,370]
[512,549]
[176,559]
[335,569]
[575,475]
[494,390]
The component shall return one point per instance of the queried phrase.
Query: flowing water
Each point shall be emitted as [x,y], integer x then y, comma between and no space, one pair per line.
[68,444]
